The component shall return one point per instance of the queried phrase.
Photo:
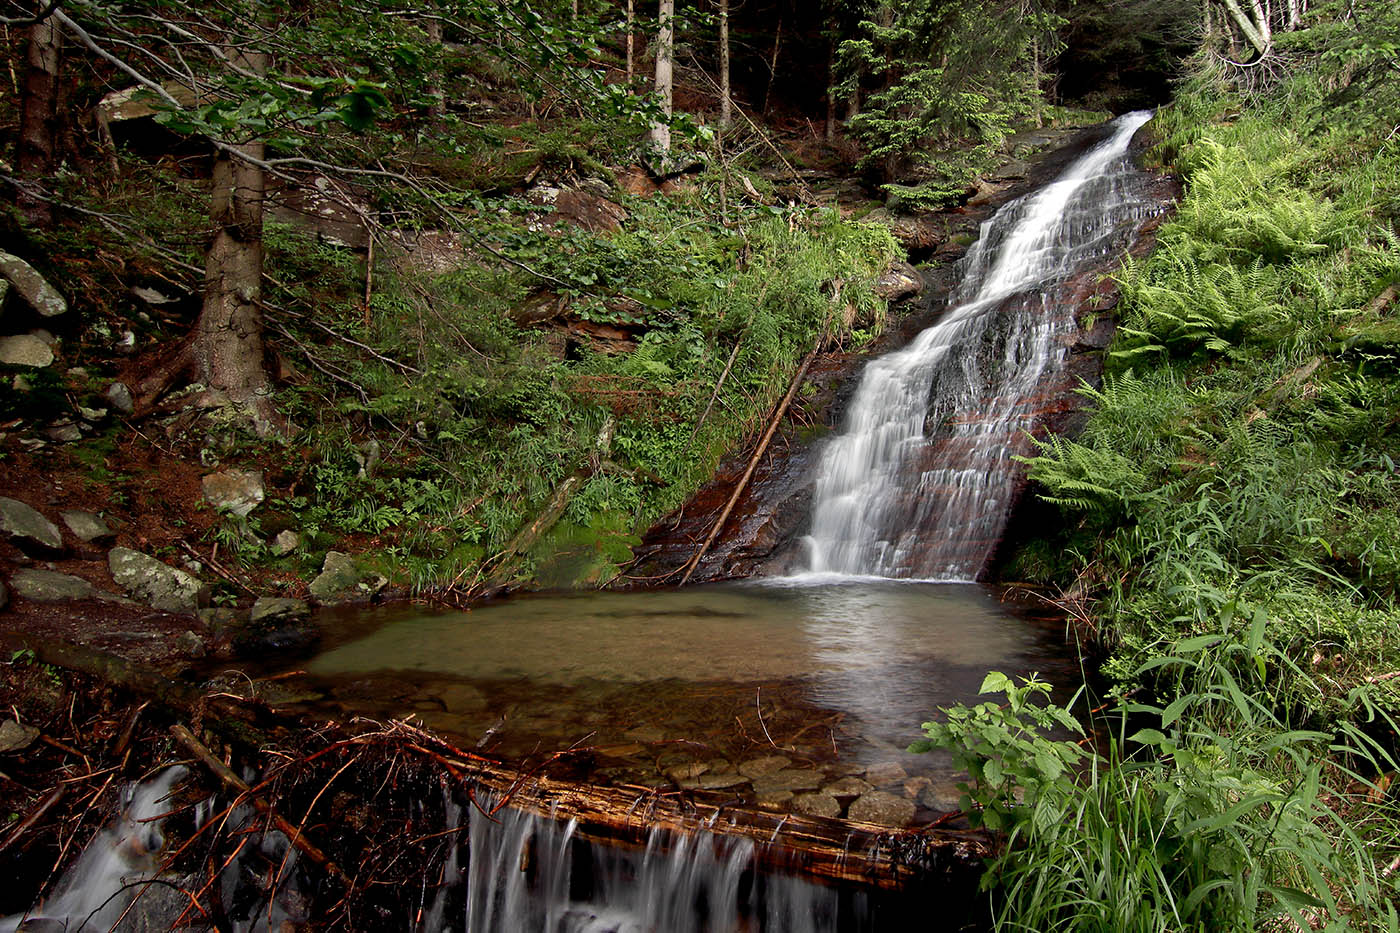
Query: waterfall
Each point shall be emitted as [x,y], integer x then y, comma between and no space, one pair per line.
[919,481]
[531,873]
[95,893]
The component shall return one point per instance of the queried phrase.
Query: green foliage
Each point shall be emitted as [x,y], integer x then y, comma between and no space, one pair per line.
[1013,768]
[1216,813]
[956,77]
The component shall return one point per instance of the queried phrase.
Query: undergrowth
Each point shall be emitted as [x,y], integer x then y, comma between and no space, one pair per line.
[1231,540]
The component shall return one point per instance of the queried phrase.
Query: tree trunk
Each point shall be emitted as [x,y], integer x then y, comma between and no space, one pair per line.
[665,49]
[1252,31]
[228,344]
[831,92]
[725,116]
[437,97]
[631,16]
[38,116]
[773,67]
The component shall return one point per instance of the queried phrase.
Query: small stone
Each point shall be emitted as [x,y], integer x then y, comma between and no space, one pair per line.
[771,798]
[119,397]
[847,787]
[944,797]
[461,698]
[48,586]
[25,350]
[236,491]
[31,286]
[45,336]
[63,432]
[757,767]
[721,766]
[915,786]
[367,455]
[91,414]
[790,779]
[888,772]
[271,611]
[16,736]
[688,770]
[285,542]
[882,808]
[646,734]
[190,645]
[27,526]
[816,805]
[155,583]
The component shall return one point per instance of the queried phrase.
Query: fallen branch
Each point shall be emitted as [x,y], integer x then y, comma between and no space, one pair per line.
[34,817]
[234,782]
[743,483]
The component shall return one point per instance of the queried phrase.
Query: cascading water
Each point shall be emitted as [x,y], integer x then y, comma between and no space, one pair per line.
[918,483]
[525,872]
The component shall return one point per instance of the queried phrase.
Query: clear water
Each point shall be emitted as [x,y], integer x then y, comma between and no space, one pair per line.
[842,673]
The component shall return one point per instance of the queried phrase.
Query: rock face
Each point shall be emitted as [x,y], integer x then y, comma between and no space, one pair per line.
[27,527]
[31,286]
[343,579]
[236,491]
[25,350]
[155,583]
[48,586]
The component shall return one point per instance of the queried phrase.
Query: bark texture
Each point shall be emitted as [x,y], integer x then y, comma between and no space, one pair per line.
[38,115]
[665,50]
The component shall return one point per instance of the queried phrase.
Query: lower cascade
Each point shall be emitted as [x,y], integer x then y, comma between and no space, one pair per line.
[919,482]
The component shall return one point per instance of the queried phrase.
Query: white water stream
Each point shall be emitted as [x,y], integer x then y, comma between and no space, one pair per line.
[917,483]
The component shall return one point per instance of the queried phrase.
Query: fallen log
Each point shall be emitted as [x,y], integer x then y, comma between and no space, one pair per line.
[817,848]
[743,483]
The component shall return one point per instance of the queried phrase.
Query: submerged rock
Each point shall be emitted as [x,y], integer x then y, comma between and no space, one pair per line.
[155,583]
[758,767]
[27,527]
[274,624]
[883,808]
[816,805]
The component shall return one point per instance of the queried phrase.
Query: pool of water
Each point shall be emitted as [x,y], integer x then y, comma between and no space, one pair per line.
[687,686]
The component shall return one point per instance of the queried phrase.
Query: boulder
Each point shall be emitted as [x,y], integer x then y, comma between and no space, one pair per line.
[344,579]
[48,586]
[27,527]
[25,350]
[86,526]
[155,583]
[236,491]
[898,282]
[31,286]
[882,808]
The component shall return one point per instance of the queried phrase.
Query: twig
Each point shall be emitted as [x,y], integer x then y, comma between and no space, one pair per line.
[34,817]
[231,780]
